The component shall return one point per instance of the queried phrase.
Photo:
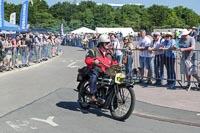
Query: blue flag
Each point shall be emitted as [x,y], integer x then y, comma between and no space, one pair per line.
[1,14]
[24,16]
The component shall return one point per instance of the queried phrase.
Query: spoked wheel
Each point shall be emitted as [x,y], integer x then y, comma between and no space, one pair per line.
[83,95]
[122,104]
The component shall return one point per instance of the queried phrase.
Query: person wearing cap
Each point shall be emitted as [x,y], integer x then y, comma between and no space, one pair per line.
[158,59]
[188,67]
[145,55]
[98,59]
[193,33]
[169,45]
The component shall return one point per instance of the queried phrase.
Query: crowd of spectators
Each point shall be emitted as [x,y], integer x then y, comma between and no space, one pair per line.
[20,50]
[157,53]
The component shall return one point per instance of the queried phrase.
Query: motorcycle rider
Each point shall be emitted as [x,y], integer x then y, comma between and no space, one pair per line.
[98,59]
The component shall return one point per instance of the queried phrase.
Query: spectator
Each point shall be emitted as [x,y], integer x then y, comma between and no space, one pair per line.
[158,59]
[117,48]
[45,45]
[168,46]
[145,56]
[186,45]
[37,47]
[85,42]
[177,33]
[24,52]
[16,44]
[193,33]
[128,46]
[31,49]
[58,42]
[8,50]
[2,53]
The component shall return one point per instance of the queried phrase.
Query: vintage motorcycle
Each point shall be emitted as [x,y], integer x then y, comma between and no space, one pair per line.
[112,87]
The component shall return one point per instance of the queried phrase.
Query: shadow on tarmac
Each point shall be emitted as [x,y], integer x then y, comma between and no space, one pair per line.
[177,87]
[74,106]
[81,50]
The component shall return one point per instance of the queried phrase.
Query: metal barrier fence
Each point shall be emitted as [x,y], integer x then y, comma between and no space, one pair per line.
[178,64]
[22,56]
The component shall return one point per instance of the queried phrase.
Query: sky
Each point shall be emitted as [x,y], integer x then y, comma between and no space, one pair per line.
[191,4]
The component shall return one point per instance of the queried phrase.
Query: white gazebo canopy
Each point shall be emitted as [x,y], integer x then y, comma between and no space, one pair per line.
[83,30]
[125,31]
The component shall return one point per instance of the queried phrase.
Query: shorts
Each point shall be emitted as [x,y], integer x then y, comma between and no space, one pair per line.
[8,57]
[188,67]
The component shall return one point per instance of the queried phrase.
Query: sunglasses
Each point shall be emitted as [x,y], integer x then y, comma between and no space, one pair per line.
[107,43]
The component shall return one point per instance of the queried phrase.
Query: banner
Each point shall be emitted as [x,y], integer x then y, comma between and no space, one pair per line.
[13,18]
[1,13]
[24,16]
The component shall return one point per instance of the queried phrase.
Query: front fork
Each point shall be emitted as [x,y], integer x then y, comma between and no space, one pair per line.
[111,94]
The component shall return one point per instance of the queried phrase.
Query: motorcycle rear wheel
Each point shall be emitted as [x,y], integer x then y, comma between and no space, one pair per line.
[83,97]
[123,103]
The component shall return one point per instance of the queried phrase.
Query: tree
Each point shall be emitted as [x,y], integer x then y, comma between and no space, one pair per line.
[91,15]
[187,16]
[158,15]
[172,21]
[62,11]
[103,15]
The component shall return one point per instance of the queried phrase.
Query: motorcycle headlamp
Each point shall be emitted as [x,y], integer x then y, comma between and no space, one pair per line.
[119,78]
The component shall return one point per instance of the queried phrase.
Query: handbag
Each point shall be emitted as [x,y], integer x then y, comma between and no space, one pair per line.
[124,59]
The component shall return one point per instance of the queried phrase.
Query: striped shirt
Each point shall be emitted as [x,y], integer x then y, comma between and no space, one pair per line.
[156,45]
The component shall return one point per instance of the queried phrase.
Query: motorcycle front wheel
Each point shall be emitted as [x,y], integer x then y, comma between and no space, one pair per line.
[122,103]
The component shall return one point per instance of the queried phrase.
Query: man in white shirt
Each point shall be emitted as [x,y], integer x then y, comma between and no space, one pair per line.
[145,56]
[117,48]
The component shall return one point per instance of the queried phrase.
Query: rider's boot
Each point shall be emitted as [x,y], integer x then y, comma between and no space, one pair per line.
[100,101]
[93,99]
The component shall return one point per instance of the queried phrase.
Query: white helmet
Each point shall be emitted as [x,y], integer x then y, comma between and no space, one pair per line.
[104,38]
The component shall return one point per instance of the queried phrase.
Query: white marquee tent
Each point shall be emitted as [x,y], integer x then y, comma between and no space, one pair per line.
[83,30]
[124,31]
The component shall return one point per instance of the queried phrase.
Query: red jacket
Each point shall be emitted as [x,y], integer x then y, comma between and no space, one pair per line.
[105,60]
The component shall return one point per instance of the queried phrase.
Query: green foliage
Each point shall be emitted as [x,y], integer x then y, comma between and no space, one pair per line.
[9,8]
[187,16]
[91,15]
